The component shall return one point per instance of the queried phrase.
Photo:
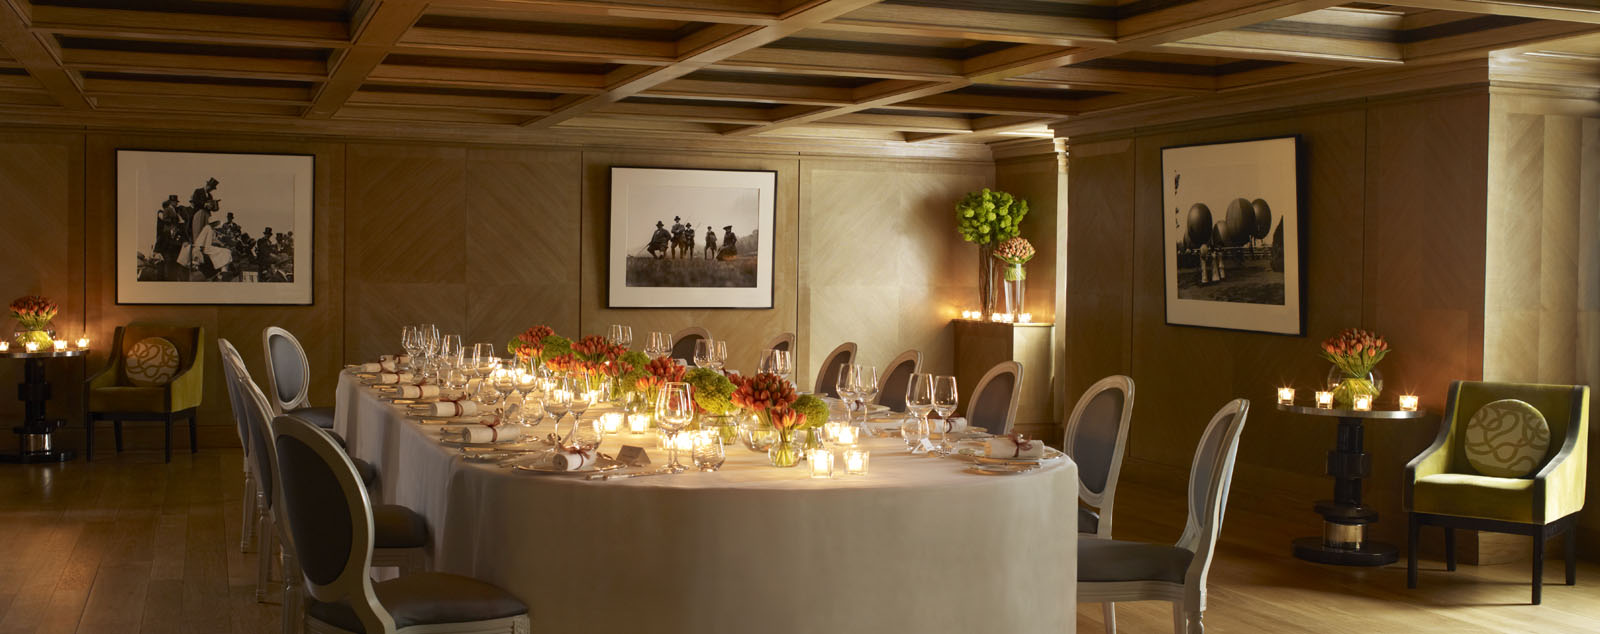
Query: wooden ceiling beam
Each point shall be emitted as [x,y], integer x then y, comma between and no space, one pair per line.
[710,11]
[1024,106]
[977,24]
[687,112]
[187,27]
[1480,43]
[843,64]
[1290,48]
[905,122]
[486,78]
[540,45]
[1082,78]
[376,26]
[987,125]
[526,106]
[758,93]
[1516,8]
[194,65]
[39,58]
[257,94]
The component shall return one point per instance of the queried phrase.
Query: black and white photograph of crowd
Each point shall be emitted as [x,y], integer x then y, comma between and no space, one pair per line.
[197,241]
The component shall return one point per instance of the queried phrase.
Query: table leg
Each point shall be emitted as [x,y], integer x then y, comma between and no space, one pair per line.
[36,434]
[1345,518]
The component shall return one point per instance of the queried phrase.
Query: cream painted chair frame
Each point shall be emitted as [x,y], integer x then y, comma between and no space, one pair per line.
[1000,368]
[819,386]
[354,583]
[692,331]
[1104,500]
[1207,502]
[914,357]
[302,398]
[231,359]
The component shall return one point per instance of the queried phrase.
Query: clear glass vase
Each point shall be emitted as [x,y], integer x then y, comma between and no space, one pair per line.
[786,452]
[1016,288]
[986,279]
[1346,388]
[38,332]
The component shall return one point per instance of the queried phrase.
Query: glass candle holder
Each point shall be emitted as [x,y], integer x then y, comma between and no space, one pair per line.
[612,421]
[1324,400]
[1025,318]
[855,461]
[1408,402]
[847,435]
[5,346]
[821,461]
[31,346]
[60,345]
[83,343]
[1363,403]
[1286,396]
[638,423]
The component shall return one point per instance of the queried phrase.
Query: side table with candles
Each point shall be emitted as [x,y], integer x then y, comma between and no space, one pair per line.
[1345,517]
[35,436]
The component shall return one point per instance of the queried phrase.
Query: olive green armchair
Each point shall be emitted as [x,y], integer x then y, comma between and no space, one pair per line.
[1444,488]
[163,395]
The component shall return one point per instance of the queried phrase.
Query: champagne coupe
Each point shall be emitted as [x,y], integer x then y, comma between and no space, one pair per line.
[945,397]
[703,353]
[674,410]
[846,386]
[866,387]
[719,355]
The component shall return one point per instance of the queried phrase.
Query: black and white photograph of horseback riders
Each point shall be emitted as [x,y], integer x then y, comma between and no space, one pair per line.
[1232,231]
[691,238]
[197,228]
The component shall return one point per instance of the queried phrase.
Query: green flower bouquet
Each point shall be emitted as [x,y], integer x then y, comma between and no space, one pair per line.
[987,218]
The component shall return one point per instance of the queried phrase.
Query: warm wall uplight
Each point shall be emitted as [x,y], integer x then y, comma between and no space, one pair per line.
[1325,400]
[1408,402]
[1286,396]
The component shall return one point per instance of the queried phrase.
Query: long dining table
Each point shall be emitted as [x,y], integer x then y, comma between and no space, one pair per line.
[916,545]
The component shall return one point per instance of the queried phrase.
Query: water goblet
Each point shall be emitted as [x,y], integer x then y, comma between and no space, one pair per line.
[866,387]
[674,411]
[626,337]
[846,386]
[919,398]
[704,353]
[719,355]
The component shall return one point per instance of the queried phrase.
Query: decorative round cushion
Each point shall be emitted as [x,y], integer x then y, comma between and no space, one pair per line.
[1507,439]
[152,362]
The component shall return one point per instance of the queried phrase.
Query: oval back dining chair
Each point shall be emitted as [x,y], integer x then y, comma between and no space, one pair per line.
[230,379]
[329,515]
[828,372]
[1096,435]
[683,343]
[993,404]
[1110,570]
[895,377]
[289,377]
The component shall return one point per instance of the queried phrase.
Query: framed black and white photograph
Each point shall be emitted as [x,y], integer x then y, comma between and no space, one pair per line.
[202,228]
[1232,235]
[691,238]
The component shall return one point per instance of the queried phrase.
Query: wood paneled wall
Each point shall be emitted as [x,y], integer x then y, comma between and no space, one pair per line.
[488,240]
[1039,179]
[1394,209]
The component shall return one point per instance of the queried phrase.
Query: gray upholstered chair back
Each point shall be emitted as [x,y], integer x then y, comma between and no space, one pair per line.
[1210,479]
[1098,431]
[231,380]
[288,371]
[832,365]
[896,376]
[683,343]
[993,405]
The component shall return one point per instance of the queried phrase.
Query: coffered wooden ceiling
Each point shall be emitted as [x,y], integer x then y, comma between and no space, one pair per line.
[896,70]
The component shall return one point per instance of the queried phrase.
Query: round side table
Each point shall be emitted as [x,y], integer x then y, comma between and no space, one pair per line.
[35,436]
[1345,518]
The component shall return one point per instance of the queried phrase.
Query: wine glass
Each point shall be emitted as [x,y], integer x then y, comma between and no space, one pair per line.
[719,355]
[846,385]
[785,365]
[704,352]
[411,341]
[449,353]
[626,337]
[428,341]
[945,397]
[674,410]
[769,361]
[919,398]
[582,398]
[866,387]
[558,401]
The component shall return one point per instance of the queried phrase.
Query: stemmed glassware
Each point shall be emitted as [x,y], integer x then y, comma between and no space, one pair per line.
[674,410]
[410,341]
[866,387]
[427,339]
[659,345]
[558,402]
[919,401]
[778,362]
[704,353]
[719,355]
[619,335]
[483,365]
[945,398]
[846,387]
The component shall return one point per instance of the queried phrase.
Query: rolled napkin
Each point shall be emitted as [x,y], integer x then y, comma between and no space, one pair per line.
[395,358]
[375,367]
[483,433]
[950,425]
[452,408]
[1014,446]
[392,378]
[569,460]
[417,391]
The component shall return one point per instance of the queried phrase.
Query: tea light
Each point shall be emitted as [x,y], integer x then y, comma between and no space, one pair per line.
[612,421]
[847,434]
[855,461]
[1408,402]
[637,423]
[83,343]
[1286,396]
[61,345]
[1363,403]
[1325,400]
[31,346]
[5,346]
[1025,318]
[821,461]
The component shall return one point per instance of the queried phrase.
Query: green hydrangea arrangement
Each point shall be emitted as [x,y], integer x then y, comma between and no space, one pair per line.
[635,362]
[989,216]
[814,409]
[711,390]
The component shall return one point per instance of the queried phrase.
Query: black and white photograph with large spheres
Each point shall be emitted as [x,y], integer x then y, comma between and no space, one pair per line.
[1232,230]
[688,238]
[202,228]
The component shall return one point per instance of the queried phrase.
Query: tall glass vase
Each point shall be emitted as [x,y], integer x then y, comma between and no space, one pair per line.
[1016,288]
[986,279]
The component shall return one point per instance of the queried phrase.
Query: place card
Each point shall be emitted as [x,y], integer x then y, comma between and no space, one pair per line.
[633,456]
[924,446]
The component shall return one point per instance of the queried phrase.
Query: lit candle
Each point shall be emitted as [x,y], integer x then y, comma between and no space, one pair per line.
[996,317]
[1408,402]
[1325,400]
[1363,403]
[612,421]
[847,434]
[31,346]
[637,423]
[61,345]
[5,346]
[1026,318]
[683,441]
[83,343]
[855,461]
[1286,396]
[821,463]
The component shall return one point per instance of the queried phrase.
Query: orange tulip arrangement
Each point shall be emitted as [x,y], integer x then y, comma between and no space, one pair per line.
[33,314]
[1355,353]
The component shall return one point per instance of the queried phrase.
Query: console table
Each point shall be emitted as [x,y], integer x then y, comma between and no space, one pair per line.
[35,436]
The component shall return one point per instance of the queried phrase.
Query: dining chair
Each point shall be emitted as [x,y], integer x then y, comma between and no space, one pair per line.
[895,377]
[289,377]
[1503,481]
[155,373]
[683,343]
[993,404]
[1112,570]
[1096,435]
[230,380]
[330,519]
[828,372]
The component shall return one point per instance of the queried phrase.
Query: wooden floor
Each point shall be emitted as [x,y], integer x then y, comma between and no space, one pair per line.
[129,544]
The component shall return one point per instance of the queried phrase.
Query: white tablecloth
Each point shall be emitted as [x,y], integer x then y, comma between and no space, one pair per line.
[916,546]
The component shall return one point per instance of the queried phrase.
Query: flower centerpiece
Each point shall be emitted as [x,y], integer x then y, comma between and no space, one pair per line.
[769,397]
[1015,252]
[596,360]
[815,411]
[713,401]
[986,218]
[530,344]
[657,373]
[33,314]
[1354,353]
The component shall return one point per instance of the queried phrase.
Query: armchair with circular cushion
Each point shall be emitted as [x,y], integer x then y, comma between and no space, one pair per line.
[1509,458]
[155,373]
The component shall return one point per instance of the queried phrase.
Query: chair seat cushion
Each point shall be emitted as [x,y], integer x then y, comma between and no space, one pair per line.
[1088,521]
[319,416]
[1113,560]
[427,598]
[395,526]
[1472,495]
[150,400]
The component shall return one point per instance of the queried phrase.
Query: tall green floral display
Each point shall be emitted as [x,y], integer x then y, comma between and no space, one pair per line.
[986,218]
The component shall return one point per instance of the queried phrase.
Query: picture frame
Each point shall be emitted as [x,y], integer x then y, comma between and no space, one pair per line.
[659,257]
[214,228]
[1233,235]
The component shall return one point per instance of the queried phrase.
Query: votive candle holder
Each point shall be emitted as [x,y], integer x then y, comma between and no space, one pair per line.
[821,461]
[638,423]
[1286,396]
[1324,400]
[846,434]
[1408,402]
[855,461]
[1363,403]
[612,421]
[60,345]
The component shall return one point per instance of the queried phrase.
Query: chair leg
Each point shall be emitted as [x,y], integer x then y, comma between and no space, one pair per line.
[194,439]
[1449,549]
[1538,563]
[1111,617]
[1180,625]
[247,528]
[264,555]
[1412,530]
[1571,543]
[116,429]
[167,448]
[293,601]
[88,437]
